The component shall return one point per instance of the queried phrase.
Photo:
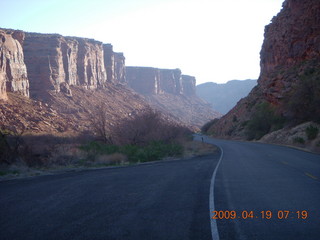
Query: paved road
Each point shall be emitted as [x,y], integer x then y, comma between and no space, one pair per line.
[167,200]
[170,200]
[258,177]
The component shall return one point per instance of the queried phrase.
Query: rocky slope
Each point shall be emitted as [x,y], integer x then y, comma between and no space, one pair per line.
[223,97]
[170,91]
[289,83]
[65,115]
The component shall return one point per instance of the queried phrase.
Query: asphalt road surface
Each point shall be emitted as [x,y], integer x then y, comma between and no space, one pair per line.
[170,200]
[254,178]
[167,200]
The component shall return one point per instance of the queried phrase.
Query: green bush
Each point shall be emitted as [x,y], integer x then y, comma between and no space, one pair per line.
[208,125]
[263,120]
[303,101]
[312,132]
[299,140]
[155,150]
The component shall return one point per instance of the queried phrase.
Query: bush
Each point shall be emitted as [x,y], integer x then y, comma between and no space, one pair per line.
[155,150]
[263,120]
[312,132]
[299,140]
[303,101]
[208,125]
[148,126]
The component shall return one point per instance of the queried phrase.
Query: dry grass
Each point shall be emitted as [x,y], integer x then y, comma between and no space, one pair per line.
[195,148]
[112,159]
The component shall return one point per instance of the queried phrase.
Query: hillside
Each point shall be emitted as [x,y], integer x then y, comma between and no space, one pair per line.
[49,83]
[223,97]
[288,90]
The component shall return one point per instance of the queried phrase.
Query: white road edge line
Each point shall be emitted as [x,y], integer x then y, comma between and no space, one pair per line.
[214,227]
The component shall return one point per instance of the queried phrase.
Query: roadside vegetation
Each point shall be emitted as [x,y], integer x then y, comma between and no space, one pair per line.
[142,137]
[264,120]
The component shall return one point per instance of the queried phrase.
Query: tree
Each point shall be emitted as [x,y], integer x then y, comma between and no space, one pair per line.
[98,118]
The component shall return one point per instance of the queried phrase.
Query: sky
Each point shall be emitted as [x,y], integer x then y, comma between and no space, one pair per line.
[213,40]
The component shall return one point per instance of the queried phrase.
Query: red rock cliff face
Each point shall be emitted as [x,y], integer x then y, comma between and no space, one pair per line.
[54,62]
[170,81]
[114,65]
[188,85]
[13,72]
[144,80]
[147,80]
[290,57]
[292,39]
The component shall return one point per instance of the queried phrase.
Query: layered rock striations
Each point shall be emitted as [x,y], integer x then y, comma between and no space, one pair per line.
[188,85]
[148,80]
[114,65]
[144,80]
[49,64]
[55,62]
[289,81]
[13,71]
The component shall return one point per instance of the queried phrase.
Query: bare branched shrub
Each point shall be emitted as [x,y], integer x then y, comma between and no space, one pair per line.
[150,125]
[98,118]
[11,144]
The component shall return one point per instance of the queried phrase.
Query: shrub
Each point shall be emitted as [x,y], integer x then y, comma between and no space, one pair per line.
[299,140]
[263,120]
[208,125]
[312,132]
[155,150]
[148,126]
[303,101]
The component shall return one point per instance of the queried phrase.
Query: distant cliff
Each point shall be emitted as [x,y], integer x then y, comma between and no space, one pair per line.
[170,91]
[148,80]
[288,90]
[115,65]
[13,71]
[224,97]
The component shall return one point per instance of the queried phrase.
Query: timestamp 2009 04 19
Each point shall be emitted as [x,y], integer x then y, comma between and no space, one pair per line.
[267,214]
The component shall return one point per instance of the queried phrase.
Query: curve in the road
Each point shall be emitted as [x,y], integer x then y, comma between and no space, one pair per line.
[214,227]
[257,177]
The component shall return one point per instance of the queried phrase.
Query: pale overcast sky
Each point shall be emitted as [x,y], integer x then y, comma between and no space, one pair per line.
[213,40]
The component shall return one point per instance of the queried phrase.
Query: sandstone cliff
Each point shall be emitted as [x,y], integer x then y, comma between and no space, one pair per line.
[13,71]
[148,80]
[55,62]
[48,65]
[114,64]
[289,83]
[170,91]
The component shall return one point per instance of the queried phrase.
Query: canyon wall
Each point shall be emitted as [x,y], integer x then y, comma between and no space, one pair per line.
[40,63]
[13,71]
[144,80]
[52,66]
[55,62]
[114,64]
[148,80]
[188,85]
[289,81]
[291,40]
